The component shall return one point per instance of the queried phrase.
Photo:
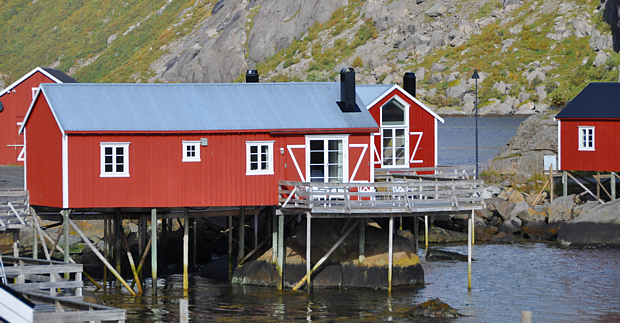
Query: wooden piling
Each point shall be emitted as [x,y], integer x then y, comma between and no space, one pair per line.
[65,227]
[390,253]
[550,183]
[308,252]
[230,247]
[280,265]
[469,236]
[154,250]
[274,230]
[241,253]
[526,316]
[426,232]
[613,185]
[185,248]
[255,230]
[415,234]
[564,184]
[105,249]
[183,310]
[118,230]
[362,242]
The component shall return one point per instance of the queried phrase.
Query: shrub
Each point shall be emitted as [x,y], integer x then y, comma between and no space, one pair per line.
[358,62]
[558,100]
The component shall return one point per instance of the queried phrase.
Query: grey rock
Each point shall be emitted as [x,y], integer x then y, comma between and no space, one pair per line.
[419,40]
[507,3]
[458,91]
[483,214]
[420,73]
[510,226]
[582,28]
[519,209]
[505,209]
[503,237]
[599,226]
[383,23]
[536,74]
[435,78]
[491,191]
[437,39]
[374,62]
[111,39]
[580,209]
[437,10]
[438,67]
[600,59]
[419,1]
[469,107]
[561,209]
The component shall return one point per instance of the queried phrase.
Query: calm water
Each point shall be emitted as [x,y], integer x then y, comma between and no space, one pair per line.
[457,138]
[556,284]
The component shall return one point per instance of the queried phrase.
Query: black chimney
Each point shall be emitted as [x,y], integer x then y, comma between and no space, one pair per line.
[409,83]
[251,76]
[347,89]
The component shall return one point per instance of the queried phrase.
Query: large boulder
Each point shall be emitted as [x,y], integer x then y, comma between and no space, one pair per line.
[342,269]
[511,226]
[437,10]
[539,231]
[505,209]
[440,235]
[561,209]
[433,308]
[600,226]
[503,237]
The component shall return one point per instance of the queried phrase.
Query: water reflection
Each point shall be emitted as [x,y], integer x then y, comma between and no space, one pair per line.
[557,285]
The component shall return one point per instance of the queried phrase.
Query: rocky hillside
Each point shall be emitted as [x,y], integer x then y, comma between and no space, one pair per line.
[530,54]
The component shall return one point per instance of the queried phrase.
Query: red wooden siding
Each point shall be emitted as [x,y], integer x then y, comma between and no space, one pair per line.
[15,107]
[606,155]
[44,157]
[419,121]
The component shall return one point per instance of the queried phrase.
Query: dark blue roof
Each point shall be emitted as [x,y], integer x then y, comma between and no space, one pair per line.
[596,101]
[60,75]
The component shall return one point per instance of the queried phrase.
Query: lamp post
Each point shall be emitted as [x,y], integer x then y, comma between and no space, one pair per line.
[476,77]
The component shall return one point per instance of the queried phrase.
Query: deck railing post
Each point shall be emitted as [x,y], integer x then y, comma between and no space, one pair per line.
[154,250]
[426,232]
[118,230]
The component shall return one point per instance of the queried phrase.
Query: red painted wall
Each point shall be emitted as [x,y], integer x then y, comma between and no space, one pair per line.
[15,107]
[44,157]
[419,121]
[606,155]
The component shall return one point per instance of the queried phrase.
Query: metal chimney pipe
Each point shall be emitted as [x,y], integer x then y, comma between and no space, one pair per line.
[347,89]
[251,76]
[409,81]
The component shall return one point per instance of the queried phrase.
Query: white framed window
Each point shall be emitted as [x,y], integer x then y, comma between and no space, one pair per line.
[586,138]
[191,151]
[394,133]
[259,157]
[34,92]
[114,159]
[327,159]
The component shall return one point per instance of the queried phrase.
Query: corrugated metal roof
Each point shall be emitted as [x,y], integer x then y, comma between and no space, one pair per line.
[369,93]
[195,107]
[596,101]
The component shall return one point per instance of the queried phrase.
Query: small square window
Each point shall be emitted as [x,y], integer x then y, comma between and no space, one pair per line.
[586,138]
[191,151]
[114,159]
[259,158]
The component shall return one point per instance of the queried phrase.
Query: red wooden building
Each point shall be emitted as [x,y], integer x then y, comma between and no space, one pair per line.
[196,145]
[589,130]
[14,102]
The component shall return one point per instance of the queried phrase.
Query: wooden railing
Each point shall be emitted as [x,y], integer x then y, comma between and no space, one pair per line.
[398,196]
[29,274]
[14,210]
[442,172]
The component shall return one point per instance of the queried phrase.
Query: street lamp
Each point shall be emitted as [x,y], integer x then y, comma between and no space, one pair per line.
[476,77]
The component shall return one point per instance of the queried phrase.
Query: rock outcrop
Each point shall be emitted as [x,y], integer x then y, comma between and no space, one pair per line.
[342,269]
[599,226]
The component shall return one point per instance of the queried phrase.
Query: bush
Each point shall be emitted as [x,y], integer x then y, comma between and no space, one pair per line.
[358,62]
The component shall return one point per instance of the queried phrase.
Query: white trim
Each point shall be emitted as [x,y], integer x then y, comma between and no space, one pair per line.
[372,162]
[396,86]
[436,153]
[248,146]
[196,157]
[290,151]
[580,132]
[125,146]
[25,164]
[23,78]
[21,129]
[34,92]
[359,161]
[559,144]
[21,157]
[374,147]
[345,154]
[412,160]
[65,172]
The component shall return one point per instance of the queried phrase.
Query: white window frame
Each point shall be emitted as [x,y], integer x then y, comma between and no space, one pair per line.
[393,128]
[34,92]
[584,143]
[186,146]
[345,157]
[248,163]
[114,145]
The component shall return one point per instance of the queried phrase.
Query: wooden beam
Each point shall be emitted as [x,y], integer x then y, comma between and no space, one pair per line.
[362,242]
[469,238]
[154,250]
[241,253]
[585,188]
[308,251]
[185,249]
[280,265]
[598,182]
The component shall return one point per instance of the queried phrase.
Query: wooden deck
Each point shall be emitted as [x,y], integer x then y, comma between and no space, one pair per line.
[14,211]
[27,274]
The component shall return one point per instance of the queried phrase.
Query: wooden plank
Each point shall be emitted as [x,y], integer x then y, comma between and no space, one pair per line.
[81,316]
[36,286]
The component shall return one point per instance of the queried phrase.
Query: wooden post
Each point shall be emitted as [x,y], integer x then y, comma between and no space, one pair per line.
[274,230]
[255,231]
[471,220]
[241,253]
[415,234]
[426,232]
[308,252]
[35,244]
[598,187]
[362,243]
[118,230]
[526,316]
[65,226]
[185,248]
[183,311]
[613,186]
[390,253]
[105,249]
[230,247]
[564,184]
[16,244]
[550,183]
[280,265]
[154,250]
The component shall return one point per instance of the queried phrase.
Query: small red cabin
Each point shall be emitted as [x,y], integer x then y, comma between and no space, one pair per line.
[197,145]
[14,102]
[589,130]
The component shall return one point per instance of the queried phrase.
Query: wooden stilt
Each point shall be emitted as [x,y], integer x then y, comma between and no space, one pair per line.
[308,252]
[35,217]
[118,230]
[65,226]
[426,232]
[185,248]
[255,230]
[134,271]
[146,252]
[362,243]
[564,184]
[600,184]
[613,185]
[415,234]
[274,229]
[105,250]
[469,233]
[550,183]
[585,188]
[260,245]
[280,265]
[154,250]
[241,253]
[193,240]
[230,247]
[390,254]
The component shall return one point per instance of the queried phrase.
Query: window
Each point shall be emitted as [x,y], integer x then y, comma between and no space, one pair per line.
[326,160]
[586,138]
[259,157]
[114,159]
[191,151]
[34,92]
[394,134]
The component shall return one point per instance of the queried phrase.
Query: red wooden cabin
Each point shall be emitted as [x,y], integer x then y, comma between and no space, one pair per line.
[14,102]
[589,130]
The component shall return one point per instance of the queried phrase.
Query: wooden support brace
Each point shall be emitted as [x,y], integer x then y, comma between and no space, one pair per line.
[598,182]
[585,188]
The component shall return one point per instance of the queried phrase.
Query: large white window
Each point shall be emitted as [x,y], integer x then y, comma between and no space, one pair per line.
[114,159]
[586,138]
[394,143]
[259,157]
[191,151]
[327,159]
